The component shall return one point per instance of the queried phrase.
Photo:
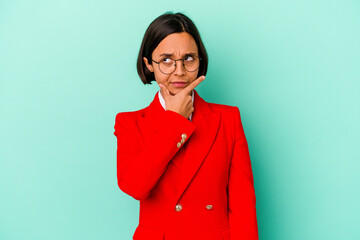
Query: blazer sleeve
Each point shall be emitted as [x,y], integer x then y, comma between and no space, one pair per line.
[241,192]
[141,164]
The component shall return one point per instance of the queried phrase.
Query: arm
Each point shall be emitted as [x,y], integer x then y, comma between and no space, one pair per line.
[242,211]
[140,166]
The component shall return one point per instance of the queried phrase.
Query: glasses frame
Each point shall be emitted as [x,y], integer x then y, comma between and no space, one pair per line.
[183,64]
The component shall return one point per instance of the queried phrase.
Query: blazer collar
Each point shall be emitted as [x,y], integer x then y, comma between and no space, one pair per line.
[201,107]
[206,123]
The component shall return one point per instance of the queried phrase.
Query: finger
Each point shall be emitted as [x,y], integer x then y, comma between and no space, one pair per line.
[192,85]
[164,91]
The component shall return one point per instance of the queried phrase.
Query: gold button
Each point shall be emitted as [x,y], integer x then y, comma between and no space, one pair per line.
[182,140]
[209,207]
[184,136]
[178,207]
[178,144]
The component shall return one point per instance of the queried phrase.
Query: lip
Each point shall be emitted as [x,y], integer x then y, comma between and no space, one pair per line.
[179,84]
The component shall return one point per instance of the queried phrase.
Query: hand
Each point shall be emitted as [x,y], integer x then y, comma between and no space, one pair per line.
[180,102]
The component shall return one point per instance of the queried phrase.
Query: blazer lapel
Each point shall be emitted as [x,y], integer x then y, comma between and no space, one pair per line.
[206,123]
[199,143]
[153,113]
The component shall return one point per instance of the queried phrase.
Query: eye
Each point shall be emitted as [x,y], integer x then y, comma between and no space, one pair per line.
[167,60]
[189,58]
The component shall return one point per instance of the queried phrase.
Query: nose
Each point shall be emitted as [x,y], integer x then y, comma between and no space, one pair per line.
[179,68]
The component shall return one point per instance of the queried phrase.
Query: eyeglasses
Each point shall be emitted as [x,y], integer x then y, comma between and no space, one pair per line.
[168,65]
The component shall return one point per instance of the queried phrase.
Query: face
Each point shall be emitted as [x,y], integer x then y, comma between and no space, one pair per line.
[175,46]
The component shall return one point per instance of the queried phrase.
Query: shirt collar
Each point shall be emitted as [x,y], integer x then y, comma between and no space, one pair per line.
[162,101]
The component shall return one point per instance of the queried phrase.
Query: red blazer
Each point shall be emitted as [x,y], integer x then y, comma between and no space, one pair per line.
[193,179]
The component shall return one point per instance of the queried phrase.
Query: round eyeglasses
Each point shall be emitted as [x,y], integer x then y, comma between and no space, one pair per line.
[168,65]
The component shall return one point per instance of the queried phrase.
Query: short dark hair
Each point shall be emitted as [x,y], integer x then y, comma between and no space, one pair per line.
[161,27]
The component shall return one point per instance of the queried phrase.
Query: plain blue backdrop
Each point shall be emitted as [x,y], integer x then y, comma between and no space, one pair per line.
[67,67]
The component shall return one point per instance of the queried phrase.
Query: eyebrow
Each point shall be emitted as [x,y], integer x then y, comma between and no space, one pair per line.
[170,54]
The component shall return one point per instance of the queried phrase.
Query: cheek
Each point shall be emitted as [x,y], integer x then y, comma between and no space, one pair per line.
[161,78]
[193,76]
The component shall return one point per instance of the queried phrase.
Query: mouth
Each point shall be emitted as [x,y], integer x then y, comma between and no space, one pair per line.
[178,84]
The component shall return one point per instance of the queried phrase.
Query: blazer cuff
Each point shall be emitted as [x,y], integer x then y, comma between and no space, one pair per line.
[177,125]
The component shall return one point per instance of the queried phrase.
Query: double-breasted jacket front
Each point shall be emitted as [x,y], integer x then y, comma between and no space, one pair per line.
[193,178]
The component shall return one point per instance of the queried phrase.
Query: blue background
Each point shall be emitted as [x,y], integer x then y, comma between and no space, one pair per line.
[67,67]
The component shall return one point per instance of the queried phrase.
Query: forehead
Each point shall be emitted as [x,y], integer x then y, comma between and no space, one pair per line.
[176,44]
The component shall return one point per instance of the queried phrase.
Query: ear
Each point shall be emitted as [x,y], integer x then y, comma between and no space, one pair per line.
[149,66]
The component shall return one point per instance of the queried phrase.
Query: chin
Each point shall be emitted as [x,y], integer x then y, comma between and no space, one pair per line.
[173,92]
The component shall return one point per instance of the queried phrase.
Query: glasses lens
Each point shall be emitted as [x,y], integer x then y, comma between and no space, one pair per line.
[167,65]
[191,63]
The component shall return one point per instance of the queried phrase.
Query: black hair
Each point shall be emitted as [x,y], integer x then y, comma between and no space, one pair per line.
[160,28]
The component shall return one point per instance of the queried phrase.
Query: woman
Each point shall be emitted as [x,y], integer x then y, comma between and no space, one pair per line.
[184,159]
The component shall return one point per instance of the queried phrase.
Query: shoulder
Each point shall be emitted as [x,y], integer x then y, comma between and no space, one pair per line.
[231,119]
[230,115]
[224,110]
[129,118]
[130,114]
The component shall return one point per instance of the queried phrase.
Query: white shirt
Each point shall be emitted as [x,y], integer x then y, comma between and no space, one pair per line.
[162,101]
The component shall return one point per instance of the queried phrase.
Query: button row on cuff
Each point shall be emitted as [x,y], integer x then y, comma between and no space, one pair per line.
[183,137]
